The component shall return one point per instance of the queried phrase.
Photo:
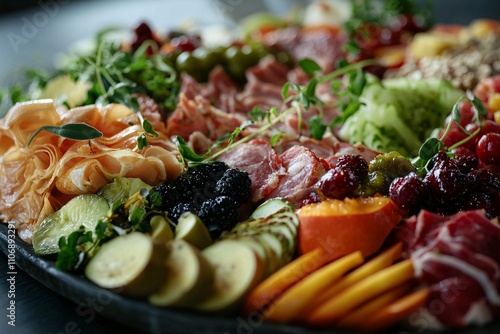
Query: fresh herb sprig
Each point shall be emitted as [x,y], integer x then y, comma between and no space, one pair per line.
[75,131]
[305,96]
[434,144]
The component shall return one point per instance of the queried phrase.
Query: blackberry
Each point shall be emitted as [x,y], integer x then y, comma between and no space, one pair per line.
[235,184]
[195,185]
[219,214]
[179,209]
[170,195]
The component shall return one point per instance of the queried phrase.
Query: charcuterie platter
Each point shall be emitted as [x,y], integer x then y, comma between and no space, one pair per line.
[333,168]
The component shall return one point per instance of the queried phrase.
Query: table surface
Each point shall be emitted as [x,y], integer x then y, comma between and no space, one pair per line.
[53,29]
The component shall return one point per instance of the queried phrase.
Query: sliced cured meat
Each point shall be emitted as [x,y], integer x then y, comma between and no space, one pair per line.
[303,171]
[199,115]
[342,148]
[269,70]
[38,179]
[322,45]
[458,257]
[261,162]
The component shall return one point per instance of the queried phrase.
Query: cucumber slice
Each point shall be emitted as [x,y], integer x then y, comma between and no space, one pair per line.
[280,245]
[132,264]
[189,277]
[272,206]
[279,227]
[191,229]
[83,210]
[237,270]
[160,229]
[121,188]
[264,251]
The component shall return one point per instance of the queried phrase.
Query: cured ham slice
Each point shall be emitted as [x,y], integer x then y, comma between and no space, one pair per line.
[199,115]
[37,179]
[261,162]
[303,171]
[459,258]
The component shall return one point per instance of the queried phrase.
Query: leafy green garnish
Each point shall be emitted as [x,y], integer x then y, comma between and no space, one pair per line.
[75,131]
[79,246]
[433,145]
[303,96]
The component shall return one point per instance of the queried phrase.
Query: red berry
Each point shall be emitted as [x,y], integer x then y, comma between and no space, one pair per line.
[488,149]
[338,184]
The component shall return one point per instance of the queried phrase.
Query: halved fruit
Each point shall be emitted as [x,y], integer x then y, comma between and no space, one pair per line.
[191,229]
[189,277]
[121,188]
[237,270]
[131,264]
[83,210]
[345,226]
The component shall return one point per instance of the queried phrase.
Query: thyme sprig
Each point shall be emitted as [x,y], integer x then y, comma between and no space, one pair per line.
[304,97]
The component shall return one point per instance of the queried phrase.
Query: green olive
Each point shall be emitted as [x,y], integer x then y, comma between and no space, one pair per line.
[187,62]
[239,60]
[208,58]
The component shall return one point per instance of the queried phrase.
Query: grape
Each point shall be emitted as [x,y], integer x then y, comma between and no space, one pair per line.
[454,135]
[338,183]
[355,164]
[488,149]
[408,192]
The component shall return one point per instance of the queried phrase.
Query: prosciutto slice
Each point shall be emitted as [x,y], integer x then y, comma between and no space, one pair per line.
[459,259]
[37,179]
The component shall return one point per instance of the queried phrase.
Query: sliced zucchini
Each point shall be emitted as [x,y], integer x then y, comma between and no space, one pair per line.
[237,270]
[161,231]
[132,264]
[83,210]
[121,188]
[189,277]
[191,229]
[272,206]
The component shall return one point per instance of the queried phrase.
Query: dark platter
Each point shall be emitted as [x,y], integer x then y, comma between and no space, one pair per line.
[143,317]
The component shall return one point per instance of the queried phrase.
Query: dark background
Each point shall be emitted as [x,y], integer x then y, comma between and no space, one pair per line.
[34,32]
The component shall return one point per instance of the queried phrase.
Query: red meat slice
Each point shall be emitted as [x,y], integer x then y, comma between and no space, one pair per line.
[303,171]
[261,162]
[459,258]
